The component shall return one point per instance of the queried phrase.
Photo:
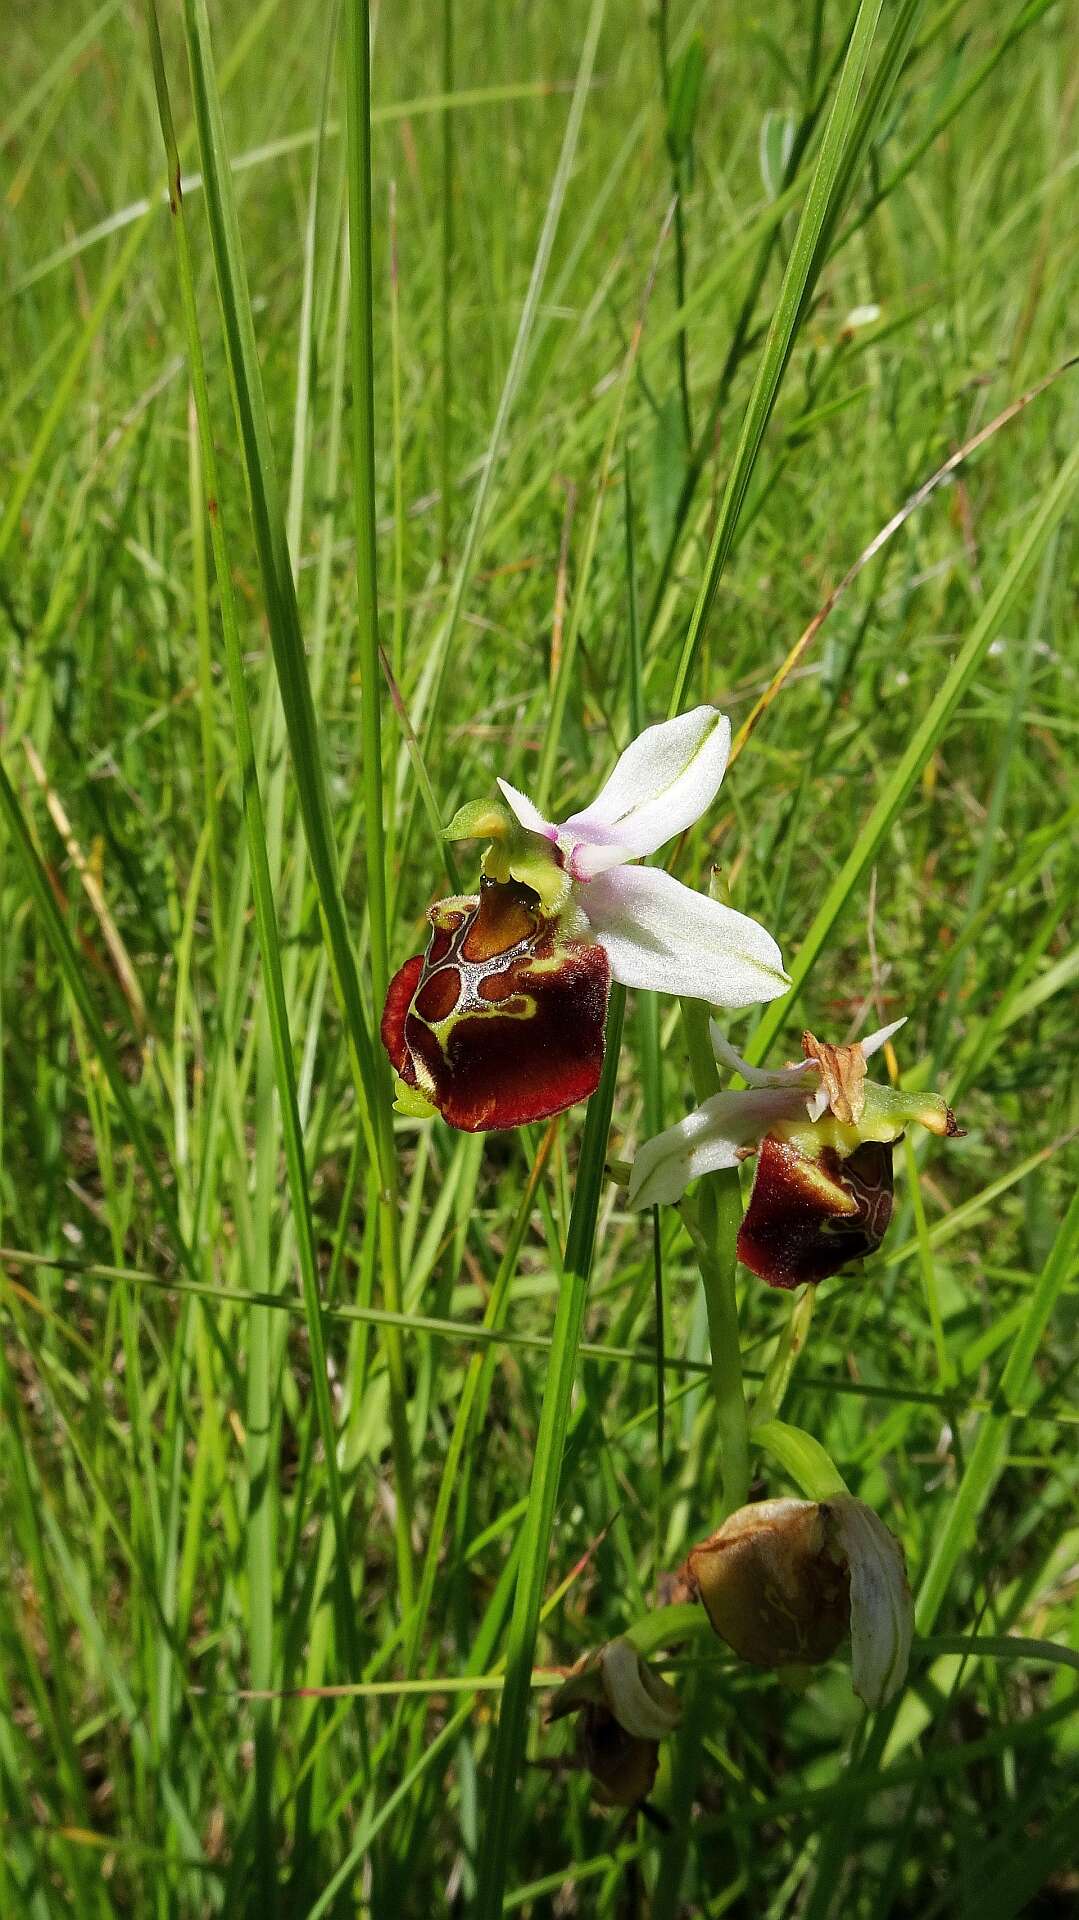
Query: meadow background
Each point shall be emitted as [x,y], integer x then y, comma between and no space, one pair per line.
[180,1335]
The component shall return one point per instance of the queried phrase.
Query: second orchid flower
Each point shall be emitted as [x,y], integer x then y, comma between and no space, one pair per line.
[823,1134]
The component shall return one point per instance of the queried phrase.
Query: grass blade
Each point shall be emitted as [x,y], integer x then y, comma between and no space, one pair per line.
[830,179]
[920,746]
[291,666]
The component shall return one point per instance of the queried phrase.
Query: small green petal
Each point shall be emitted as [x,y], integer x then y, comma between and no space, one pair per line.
[481,820]
[410,1101]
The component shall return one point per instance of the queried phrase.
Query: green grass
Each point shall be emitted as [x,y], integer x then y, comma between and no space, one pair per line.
[376,1421]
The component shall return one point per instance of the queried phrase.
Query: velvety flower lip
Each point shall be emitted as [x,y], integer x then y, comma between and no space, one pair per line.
[501,1022]
[809,1215]
[822,1195]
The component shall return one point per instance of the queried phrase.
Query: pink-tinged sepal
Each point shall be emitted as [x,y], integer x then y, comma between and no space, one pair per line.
[809,1216]
[502,1021]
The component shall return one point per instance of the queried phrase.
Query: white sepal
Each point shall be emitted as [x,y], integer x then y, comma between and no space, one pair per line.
[662,783]
[661,935]
[754,1076]
[874,1041]
[881,1606]
[707,1140]
[641,1702]
[527,812]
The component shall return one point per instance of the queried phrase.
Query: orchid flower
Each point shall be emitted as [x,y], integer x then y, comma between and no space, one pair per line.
[783,1581]
[823,1133]
[626,1710]
[502,1020]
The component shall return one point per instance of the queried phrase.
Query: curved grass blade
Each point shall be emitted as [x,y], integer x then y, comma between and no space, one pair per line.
[986,1456]
[358,122]
[830,182]
[290,662]
[260,1545]
[921,745]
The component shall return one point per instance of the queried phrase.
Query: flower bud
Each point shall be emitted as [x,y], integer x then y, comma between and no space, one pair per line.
[783,1581]
[625,1710]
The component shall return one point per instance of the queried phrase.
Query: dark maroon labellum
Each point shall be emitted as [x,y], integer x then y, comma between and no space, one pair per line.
[501,1022]
[807,1218]
[622,1765]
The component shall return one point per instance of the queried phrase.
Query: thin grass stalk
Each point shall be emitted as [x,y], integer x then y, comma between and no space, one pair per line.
[720,1216]
[492,1320]
[373,1822]
[306,350]
[662,30]
[560,690]
[511,1736]
[926,1263]
[986,1457]
[265,914]
[274,561]
[1026,17]
[368,1069]
[469,1410]
[921,745]
[467,1333]
[445,447]
[896,54]
[518,356]
[995,810]
[74,975]
[398,628]
[54,1703]
[141,218]
[196,496]
[647,1005]
[357,80]
[698,453]
[817,218]
[984,1465]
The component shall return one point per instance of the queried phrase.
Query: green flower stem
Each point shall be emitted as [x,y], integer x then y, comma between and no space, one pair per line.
[777,1377]
[666,1627]
[717,1275]
[498,1827]
[719,1218]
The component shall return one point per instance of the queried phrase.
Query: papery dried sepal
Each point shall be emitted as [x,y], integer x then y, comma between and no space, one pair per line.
[881,1605]
[784,1581]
